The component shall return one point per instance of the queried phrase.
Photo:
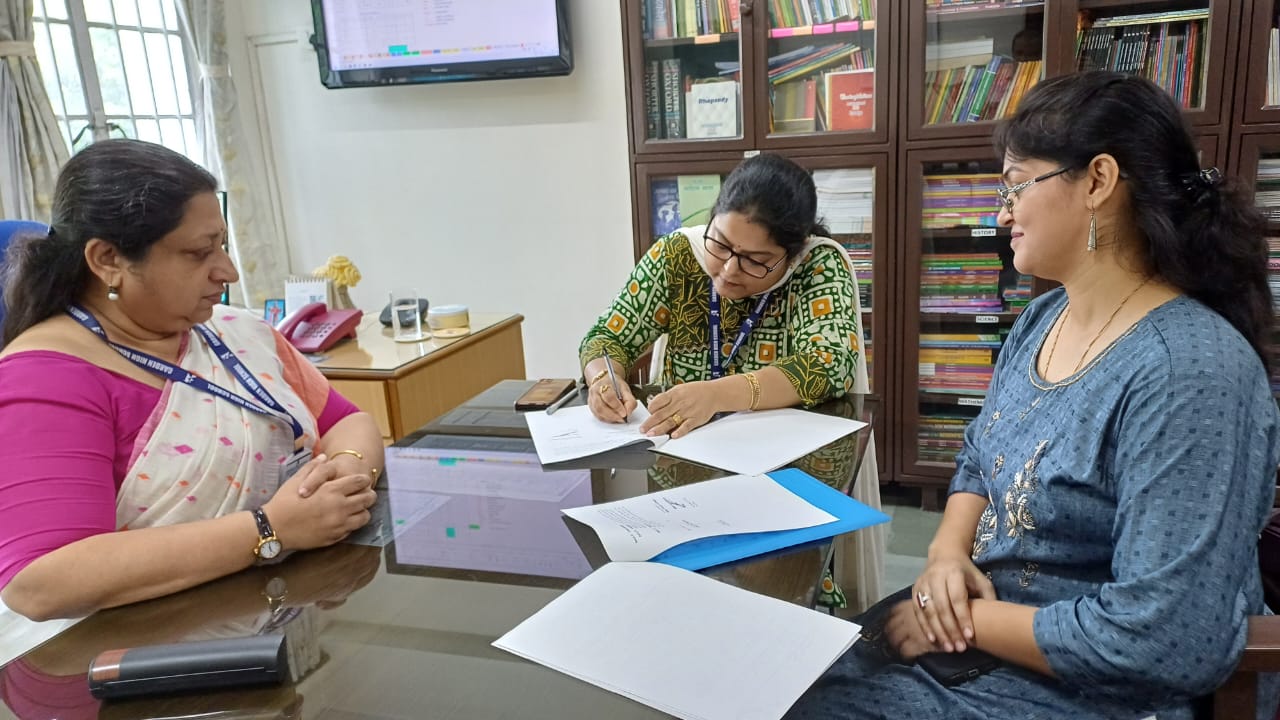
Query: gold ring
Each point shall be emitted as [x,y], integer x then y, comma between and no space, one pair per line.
[604,389]
[678,420]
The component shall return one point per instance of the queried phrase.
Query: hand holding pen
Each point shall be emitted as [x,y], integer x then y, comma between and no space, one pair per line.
[609,398]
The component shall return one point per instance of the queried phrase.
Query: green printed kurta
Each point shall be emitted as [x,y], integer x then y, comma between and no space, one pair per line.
[809,331]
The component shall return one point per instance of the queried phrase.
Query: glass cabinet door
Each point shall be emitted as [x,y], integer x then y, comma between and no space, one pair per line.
[675,195]
[1262,62]
[979,59]
[1177,44]
[821,68]
[688,70]
[967,295]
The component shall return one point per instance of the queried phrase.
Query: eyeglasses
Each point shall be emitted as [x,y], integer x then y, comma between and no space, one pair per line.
[754,268]
[1007,194]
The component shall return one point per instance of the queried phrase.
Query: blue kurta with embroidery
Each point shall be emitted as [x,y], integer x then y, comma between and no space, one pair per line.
[1125,503]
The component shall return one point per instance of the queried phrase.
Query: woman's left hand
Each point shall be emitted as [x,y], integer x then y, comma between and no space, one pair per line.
[905,633]
[681,409]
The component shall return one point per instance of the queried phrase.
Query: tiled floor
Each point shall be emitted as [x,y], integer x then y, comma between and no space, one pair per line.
[909,534]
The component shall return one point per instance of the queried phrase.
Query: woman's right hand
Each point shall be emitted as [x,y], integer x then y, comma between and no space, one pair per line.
[337,507]
[604,402]
[948,581]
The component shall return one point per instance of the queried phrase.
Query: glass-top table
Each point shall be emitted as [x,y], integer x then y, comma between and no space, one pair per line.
[397,623]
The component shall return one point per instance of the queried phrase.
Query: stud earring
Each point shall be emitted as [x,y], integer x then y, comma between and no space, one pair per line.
[1093,232]
[113,294]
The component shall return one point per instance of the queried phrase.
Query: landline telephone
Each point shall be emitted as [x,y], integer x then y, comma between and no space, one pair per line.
[316,328]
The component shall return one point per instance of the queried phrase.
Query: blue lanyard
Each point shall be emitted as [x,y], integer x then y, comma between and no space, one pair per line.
[717,365]
[176,374]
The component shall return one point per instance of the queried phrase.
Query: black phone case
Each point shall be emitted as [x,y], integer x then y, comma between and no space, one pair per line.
[543,393]
[952,669]
[188,667]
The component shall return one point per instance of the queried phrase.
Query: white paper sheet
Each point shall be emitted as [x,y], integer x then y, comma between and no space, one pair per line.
[641,527]
[573,432]
[753,443]
[475,472]
[18,635]
[682,643]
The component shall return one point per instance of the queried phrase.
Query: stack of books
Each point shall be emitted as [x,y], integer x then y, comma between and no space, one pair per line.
[846,199]
[1017,297]
[1267,188]
[957,363]
[822,87]
[966,199]
[960,282]
[967,82]
[665,19]
[1167,48]
[803,13]
[940,436]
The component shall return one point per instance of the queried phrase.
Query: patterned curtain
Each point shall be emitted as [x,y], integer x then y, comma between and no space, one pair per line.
[261,256]
[32,149]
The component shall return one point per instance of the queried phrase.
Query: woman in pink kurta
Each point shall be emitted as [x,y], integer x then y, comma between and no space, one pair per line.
[155,439]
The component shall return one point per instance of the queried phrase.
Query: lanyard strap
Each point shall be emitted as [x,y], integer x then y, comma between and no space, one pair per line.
[717,365]
[176,374]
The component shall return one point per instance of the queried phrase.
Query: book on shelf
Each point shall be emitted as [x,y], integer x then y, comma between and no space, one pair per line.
[697,198]
[673,99]
[654,128]
[850,99]
[664,199]
[712,109]
[1273,68]
[978,93]
[804,13]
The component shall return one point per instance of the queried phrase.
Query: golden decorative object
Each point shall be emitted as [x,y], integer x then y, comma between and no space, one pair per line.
[344,274]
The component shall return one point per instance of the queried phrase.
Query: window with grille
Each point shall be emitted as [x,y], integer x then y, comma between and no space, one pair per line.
[116,68]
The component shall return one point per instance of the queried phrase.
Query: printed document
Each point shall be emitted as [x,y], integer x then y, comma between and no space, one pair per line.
[683,643]
[573,432]
[639,528]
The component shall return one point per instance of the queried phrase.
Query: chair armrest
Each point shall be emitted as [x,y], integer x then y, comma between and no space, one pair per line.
[1262,649]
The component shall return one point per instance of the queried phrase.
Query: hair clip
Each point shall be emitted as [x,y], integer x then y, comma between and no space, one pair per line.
[1211,177]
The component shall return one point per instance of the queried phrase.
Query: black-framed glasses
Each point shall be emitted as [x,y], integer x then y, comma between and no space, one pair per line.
[1007,194]
[754,268]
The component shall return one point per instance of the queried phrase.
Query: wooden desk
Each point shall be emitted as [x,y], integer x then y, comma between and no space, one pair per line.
[406,385]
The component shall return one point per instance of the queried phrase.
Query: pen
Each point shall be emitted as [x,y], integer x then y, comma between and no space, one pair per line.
[567,397]
[613,379]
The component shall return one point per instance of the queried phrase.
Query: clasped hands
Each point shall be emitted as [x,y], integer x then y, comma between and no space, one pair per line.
[937,617]
[676,412]
[327,499]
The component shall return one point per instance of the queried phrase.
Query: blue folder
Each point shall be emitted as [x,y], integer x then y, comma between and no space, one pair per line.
[850,515]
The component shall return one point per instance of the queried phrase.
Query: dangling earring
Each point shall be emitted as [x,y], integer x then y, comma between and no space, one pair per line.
[113,294]
[1093,232]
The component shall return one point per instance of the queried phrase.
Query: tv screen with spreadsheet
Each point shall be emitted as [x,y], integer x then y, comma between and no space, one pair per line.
[361,43]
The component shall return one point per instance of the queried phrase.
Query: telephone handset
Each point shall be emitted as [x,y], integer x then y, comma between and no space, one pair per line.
[315,328]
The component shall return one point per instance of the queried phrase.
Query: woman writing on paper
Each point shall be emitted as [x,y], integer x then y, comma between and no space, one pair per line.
[1101,536]
[757,309]
[155,440]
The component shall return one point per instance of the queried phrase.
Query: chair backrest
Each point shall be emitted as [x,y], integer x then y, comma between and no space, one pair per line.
[10,229]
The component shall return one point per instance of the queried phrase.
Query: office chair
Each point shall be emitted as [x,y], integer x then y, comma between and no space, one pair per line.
[10,229]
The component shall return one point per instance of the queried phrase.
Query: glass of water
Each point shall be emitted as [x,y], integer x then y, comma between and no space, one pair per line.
[406,320]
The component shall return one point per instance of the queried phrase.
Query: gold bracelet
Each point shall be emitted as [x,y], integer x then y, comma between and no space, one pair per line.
[373,471]
[755,390]
[596,378]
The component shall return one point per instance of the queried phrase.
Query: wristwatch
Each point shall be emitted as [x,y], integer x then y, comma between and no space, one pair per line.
[268,544]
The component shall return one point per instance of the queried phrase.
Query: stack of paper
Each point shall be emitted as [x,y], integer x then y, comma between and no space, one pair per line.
[751,443]
[682,643]
[719,521]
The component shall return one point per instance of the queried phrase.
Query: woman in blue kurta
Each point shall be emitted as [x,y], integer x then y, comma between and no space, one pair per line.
[1101,532]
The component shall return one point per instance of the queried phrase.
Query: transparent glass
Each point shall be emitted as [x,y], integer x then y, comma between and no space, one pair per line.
[126,12]
[98,11]
[980,59]
[406,319]
[821,66]
[969,296]
[160,71]
[692,70]
[111,70]
[677,201]
[846,205]
[1167,43]
[68,73]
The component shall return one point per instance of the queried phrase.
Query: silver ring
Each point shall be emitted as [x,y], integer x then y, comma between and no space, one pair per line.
[922,599]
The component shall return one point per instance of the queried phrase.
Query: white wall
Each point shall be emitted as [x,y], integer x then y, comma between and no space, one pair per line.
[509,195]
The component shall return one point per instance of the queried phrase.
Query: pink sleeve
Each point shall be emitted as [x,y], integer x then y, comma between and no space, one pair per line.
[336,408]
[57,422]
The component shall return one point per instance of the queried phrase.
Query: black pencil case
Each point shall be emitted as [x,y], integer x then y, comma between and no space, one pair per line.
[188,667]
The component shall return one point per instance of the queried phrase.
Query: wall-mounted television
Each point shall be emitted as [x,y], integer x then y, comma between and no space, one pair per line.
[362,43]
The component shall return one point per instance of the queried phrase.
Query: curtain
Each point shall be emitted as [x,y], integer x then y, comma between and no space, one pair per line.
[32,148]
[260,255]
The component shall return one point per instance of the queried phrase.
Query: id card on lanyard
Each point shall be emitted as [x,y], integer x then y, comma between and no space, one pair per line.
[717,364]
[227,357]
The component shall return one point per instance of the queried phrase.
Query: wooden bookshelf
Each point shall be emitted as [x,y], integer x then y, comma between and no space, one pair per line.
[1231,121]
